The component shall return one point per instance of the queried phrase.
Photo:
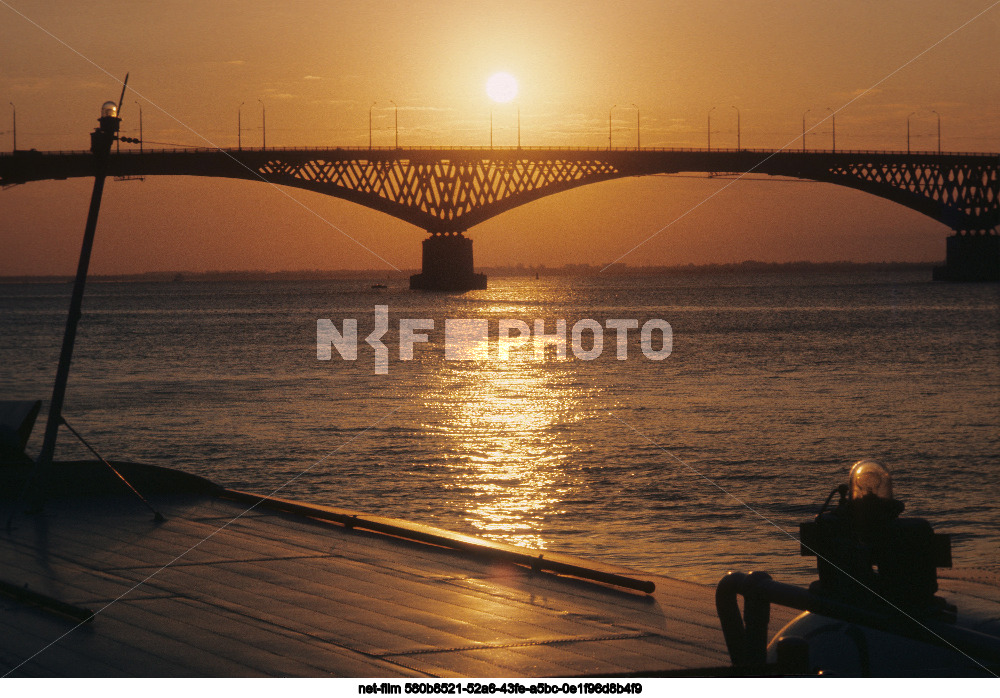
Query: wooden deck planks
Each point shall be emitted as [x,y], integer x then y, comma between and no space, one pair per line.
[312,655]
[64,579]
[414,595]
[64,648]
[438,613]
[366,628]
[657,613]
[196,541]
[239,646]
[280,594]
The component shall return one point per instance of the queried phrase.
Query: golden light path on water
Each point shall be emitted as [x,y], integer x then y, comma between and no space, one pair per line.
[504,422]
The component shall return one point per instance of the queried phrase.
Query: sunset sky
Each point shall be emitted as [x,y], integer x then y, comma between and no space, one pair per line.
[318,65]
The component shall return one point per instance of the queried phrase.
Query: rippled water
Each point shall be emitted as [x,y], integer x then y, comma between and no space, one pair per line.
[702,462]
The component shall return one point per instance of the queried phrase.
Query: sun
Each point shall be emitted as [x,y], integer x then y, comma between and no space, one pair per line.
[501,87]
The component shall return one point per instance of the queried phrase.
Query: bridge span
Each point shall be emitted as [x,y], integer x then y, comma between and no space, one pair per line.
[446,191]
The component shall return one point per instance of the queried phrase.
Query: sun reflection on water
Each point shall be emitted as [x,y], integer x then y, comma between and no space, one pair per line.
[509,453]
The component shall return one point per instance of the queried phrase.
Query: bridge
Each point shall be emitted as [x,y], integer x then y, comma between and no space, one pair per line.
[446,191]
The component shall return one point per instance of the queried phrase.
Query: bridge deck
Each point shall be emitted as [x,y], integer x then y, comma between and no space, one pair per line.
[277,593]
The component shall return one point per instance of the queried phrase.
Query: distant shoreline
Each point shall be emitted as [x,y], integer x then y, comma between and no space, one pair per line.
[519,270]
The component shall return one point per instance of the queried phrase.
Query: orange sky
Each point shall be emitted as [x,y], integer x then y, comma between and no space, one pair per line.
[320,64]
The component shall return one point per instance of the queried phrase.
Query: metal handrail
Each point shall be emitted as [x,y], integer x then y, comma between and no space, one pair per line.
[493,550]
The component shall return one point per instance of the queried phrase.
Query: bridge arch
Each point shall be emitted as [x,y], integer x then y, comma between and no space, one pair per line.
[448,190]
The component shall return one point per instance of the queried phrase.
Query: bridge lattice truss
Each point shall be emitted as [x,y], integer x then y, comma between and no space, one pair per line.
[444,195]
[450,190]
[453,193]
[964,196]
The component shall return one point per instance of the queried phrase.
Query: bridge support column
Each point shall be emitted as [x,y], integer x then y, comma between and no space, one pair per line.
[447,265]
[971,256]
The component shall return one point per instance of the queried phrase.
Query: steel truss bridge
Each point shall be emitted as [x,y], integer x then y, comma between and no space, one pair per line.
[449,190]
[446,191]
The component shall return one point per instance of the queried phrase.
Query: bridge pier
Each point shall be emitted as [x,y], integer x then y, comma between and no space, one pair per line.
[447,265]
[971,256]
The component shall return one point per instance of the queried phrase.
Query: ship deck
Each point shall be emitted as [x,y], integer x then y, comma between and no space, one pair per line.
[231,586]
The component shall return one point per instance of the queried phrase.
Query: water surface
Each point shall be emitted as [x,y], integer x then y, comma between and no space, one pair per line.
[703,462]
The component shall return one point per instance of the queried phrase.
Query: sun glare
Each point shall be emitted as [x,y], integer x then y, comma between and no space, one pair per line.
[501,87]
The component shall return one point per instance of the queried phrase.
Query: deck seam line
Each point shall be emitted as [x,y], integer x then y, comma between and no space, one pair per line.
[525,643]
[467,591]
[290,631]
[220,562]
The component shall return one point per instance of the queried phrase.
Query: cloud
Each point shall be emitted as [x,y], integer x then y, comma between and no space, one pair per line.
[236,62]
[417,108]
[27,84]
[313,77]
[274,93]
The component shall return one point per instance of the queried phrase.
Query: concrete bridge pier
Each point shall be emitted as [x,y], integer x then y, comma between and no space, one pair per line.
[447,265]
[971,255]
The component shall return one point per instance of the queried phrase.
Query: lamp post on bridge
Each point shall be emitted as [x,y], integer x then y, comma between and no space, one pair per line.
[938,128]
[370,124]
[609,125]
[396,106]
[710,127]
[908,131]
[239,127]
[13,118]
[518,107]
[833,116]
[263,124]
[804,129]
[737,127]
[140,124]
[638,143]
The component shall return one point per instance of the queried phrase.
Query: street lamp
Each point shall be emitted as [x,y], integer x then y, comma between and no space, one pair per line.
[609,125]
[908,131]
[737,127]
[518,106]
[938,128]
[804,129]
[397,122]
[710,127]
[140,125]
[263,124]
[13,117]
[638,143]
[370,124]
[833,116]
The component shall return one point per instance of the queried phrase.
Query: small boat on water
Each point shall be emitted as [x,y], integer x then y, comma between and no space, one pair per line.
[379,286]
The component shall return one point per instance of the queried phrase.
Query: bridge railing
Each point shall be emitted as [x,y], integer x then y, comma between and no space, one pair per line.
[507,149]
